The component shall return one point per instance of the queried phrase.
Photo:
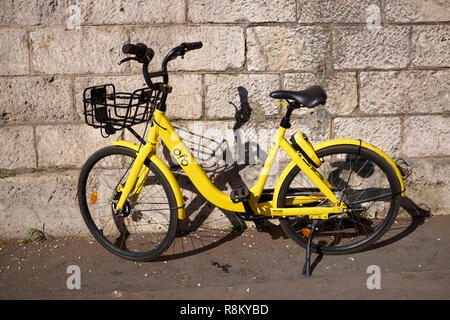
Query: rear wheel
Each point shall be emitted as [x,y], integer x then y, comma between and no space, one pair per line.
[364,181]
[146,226]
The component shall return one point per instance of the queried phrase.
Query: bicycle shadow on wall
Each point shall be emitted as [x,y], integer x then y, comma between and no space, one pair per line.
[207,226]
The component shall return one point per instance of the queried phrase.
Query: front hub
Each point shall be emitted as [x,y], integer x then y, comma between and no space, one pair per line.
[126,210]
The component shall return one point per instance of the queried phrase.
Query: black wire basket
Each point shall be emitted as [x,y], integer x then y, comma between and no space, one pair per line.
[112,111]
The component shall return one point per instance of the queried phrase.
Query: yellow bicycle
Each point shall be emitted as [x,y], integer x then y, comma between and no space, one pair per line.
[336,197]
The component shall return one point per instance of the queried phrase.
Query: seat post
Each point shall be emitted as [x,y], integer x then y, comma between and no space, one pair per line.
[286,121]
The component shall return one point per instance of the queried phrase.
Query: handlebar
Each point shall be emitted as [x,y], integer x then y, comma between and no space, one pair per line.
[193,45]
[144,55]
[137,49]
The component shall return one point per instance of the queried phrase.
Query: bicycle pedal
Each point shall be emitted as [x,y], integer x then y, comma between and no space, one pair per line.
[240,194]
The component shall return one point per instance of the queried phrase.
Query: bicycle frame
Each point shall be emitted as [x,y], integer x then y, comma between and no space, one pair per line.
[163,129]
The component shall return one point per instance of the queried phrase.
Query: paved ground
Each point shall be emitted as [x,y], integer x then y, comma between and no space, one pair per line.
[413,259]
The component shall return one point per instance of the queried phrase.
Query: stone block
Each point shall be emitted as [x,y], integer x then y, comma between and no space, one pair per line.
[361,47]
[18,151]
[404,92]
[14,52]
[416,10]
[341,11]
[427,188]
[382,132]
[32,12]
[130,11]
[286,48]
[87,50]
[68,145]
[431,46]
[185,100]
[426,136]
[36,99]
[223,47]
[241,11]
[43,200]
[230,96]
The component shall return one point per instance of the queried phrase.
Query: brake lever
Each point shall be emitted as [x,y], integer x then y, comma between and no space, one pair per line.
[126,59]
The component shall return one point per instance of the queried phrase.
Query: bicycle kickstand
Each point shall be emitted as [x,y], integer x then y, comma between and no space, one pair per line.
[307,267]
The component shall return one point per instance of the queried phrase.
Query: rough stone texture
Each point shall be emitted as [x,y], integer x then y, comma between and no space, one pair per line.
[226,95]
[286,48]
[13,52]
[130,11]
[361,47]
[87,50]
[431,46]
[347,11]
[223,47]
[17,148]
[316,126]
[242,11]
[428,186]
[342,95]
[32,12]
[45,200]
[426,136]
[185,101]
[404,92]
[383,133]
[416,10]
[383,63]
[68,146]
[35,99]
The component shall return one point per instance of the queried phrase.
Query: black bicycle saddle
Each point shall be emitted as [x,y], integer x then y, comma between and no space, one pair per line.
[310,97]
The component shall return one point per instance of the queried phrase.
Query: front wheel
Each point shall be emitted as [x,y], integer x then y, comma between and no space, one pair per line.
[364,181]
[146,226]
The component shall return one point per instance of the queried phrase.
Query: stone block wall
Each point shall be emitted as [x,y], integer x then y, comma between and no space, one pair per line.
[384,64]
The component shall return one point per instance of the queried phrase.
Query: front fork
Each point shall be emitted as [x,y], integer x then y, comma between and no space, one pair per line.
[135,179]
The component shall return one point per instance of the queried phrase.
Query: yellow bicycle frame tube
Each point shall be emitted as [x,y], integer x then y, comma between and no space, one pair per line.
[335,142]
[165,171]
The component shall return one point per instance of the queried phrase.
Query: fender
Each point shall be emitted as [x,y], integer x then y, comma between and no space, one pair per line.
[166,172]
[335,142]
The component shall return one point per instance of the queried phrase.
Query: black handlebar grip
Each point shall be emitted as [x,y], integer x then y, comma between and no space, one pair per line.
[138,49]
[151,53]
[192,45]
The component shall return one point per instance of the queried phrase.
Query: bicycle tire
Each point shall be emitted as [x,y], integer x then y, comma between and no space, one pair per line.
[95,175]
[328,240]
